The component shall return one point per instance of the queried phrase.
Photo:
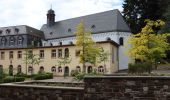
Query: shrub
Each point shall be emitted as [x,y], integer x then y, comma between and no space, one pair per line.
[79,76]
[139,68]
[10,79]
[74,73]
[21,75]
[43,76]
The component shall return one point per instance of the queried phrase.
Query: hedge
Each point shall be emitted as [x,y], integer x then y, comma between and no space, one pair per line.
[13,79]
[43,76]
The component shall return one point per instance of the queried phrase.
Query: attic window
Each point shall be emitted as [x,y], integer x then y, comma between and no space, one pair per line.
[0,31]
[16,30]
[93,26]
[51,33]
[69,30]
[8,31]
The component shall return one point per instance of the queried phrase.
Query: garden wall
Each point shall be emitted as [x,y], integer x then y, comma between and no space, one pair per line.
[25,92]
[95,88]
[127,88]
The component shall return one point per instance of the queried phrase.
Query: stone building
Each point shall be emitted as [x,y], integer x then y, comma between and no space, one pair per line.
[56,39]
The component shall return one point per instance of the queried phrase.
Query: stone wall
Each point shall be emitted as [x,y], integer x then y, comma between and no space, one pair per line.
[21,92]
[127,88]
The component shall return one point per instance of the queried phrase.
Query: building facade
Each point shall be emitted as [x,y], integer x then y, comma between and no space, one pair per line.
[56,40]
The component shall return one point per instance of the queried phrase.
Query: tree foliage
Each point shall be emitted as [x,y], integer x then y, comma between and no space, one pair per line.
[136,11]
[89,49]
[148,46]
[64,61]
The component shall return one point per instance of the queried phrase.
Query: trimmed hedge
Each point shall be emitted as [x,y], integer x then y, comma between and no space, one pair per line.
[13,79]
[139,68]
[43,76]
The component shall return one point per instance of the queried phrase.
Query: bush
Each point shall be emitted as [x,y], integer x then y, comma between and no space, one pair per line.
[13,79]
[139,68]
[79,76]
[43,76]
[74,73]
[21,75]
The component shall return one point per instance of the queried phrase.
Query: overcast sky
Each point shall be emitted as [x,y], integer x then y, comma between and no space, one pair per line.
[33,12]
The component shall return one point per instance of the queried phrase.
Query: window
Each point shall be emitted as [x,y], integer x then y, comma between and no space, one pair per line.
[78,69]
[11,55]
[30,69]
[93,26]
[3,41]
[59,53]
[20,40]
[16,30]
[100,69]
[77,53]
[41,70]
[19,54]
[60,43]
[69,30]
[0,31]
[53,53]
[59,69]
[51,33]
[53,69]
[8,31]
[121,40]
[41,54]
[108,38]
[2,55]
[12,41]
[66,52]
[19,70]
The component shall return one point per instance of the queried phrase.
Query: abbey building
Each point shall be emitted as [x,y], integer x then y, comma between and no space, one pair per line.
[57,39]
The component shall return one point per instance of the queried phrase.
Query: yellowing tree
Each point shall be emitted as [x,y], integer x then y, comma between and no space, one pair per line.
[89,50]
[148,45]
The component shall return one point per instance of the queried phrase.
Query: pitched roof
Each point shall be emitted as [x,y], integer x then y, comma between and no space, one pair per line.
[107,21]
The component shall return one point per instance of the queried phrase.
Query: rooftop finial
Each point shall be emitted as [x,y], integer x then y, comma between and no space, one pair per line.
[51,6]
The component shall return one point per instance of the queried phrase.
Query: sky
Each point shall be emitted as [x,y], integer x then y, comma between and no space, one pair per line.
[33,12]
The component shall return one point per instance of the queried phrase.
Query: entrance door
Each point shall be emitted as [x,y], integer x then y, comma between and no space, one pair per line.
[10,70]
[66,71]
[89,69]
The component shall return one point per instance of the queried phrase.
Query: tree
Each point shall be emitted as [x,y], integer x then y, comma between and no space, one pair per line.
[136,11]
[148,46]
[84,41]
[32,59]
[103,57]
[63,61]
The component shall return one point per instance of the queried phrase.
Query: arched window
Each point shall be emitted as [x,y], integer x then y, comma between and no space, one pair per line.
[3,41]
[108,38]
[89,69]
[19,40]
[66,52]
[10,70]
[78,69]
[121,41]
[59,69]
[100,69]
[41,70]
[66,71]
[8,31]
[19,70]
[53,69]
[11,41]
[30,69]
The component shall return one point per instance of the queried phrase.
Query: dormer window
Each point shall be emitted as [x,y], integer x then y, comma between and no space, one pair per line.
[60,43]
[0,31]
[8,31]
[12,41]
[3,41]
[69,30]
[121,41]
[20,39]
[93,26]
[51,33]
[16,30]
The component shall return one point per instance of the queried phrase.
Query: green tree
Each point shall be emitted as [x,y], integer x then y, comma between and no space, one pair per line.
[103,57]
[136,11]
[31,59]
[89,50]
[148,46]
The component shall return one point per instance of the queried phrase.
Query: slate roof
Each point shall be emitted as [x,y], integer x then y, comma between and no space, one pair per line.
[107,21]
[22,29]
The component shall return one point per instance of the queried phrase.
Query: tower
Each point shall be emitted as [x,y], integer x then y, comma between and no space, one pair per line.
[50,17]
